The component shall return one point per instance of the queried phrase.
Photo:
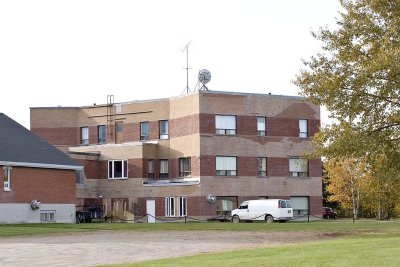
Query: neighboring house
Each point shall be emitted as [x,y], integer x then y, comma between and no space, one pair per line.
[198,154]
[38,179]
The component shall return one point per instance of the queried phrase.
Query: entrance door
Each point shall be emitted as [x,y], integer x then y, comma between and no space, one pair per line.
[151,210]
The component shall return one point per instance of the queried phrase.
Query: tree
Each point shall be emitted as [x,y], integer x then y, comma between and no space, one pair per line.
[346,177]
[357,77]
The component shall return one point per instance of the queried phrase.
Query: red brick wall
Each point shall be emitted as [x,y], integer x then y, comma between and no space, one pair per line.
[315,168]
[207,123]
[313,126]
[184,126]
[135,168]
[278,167]
[315,205]
[59,136]
[154,130]
[207,165]
[91,168]
[247,166]
[246,125]
[282,127]
[45,185]
[93,137]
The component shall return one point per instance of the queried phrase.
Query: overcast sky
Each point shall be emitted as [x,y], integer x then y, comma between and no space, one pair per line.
[74,53]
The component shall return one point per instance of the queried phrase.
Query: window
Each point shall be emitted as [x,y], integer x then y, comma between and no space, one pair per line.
[164,168]
[144,130]
[164,130]
[262,166]
[300,205]
[225,124]
[181,209]
[169,206]
[150,169]
[298,167]
[47,216]
[117,169]
[7,177]
[303,126]
[101,134]
[79,176]
[84,135]
[261,126]
[184,167]
[119,126]
[182,206]
[226,166]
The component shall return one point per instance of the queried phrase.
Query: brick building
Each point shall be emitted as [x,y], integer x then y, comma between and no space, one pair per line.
[198,154]
[38,180]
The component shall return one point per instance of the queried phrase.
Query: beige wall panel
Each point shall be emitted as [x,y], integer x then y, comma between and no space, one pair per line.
[254,186]
[237,146]
[53,117]
[258,104]
[184,105]
[185,146]
[147,110]
[133,188]
[114,151]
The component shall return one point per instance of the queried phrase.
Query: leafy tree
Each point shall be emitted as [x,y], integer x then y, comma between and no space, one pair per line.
[357,77]
[346,177]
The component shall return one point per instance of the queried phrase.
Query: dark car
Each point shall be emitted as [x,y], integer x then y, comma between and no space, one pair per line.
[328,213]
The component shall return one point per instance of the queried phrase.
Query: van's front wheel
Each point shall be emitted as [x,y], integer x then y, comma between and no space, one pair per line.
[235,219]
[269,219]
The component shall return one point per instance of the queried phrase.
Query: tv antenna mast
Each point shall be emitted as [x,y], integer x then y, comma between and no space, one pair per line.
[187,66]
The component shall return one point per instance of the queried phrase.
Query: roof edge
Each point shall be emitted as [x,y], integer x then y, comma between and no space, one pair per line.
[40,165]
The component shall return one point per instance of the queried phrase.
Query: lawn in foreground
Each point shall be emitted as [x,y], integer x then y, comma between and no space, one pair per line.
[382,250]
[338,226]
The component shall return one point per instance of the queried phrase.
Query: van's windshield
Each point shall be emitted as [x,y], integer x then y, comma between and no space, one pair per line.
[244,205]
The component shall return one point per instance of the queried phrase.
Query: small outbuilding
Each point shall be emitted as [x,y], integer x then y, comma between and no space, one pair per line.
[39,181]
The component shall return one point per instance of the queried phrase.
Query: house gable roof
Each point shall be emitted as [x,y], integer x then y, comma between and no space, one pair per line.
[21,147]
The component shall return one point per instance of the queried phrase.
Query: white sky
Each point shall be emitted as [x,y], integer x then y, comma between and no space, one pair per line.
[74,53]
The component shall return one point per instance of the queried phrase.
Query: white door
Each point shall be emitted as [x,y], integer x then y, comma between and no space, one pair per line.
[151,210]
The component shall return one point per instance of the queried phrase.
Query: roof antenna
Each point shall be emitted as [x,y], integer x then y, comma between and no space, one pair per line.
[187,66]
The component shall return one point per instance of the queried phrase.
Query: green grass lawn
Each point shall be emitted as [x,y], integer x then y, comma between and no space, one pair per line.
[337,226]
[363,243]
[355,251]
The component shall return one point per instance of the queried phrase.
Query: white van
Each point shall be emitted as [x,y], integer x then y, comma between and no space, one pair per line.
[269,210]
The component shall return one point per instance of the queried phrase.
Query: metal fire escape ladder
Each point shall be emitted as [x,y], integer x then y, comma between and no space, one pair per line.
[110,118]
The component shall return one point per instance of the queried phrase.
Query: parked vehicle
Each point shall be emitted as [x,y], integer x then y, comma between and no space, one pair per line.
[269,210]
[328,213]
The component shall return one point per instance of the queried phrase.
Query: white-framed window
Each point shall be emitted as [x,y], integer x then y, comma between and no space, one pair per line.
[184,167]
[175,206]
[225,124]
[226,166]
[261,126]
[303,128]
[101,134]
[182,206]
[7,178]
[144,130]
[150,168]
[298,167]
[169,206]
[164,168]
[48,216]
[262,166]
[84,135]
[117,169]
[164,129]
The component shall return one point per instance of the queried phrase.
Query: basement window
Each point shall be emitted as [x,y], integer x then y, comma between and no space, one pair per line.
[48,216]
[117,169]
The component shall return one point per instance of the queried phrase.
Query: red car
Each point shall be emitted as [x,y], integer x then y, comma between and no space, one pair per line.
[328,213]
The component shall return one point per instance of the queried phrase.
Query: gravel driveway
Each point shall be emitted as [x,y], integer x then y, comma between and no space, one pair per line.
[90,249]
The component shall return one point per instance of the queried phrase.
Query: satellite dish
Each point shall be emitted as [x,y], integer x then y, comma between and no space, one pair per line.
[211,198]
[204,76]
